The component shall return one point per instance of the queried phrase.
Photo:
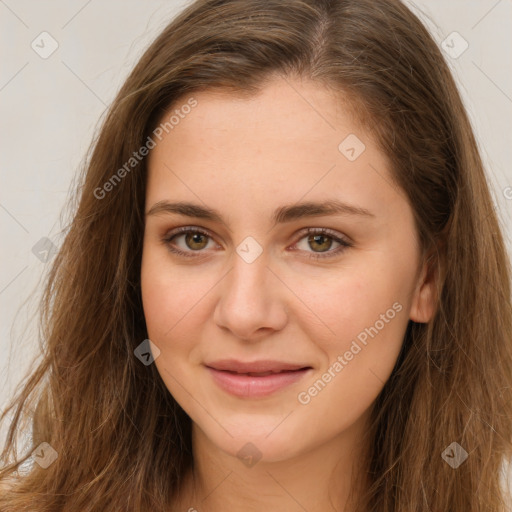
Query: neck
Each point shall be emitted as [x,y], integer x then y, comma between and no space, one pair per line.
[318,480]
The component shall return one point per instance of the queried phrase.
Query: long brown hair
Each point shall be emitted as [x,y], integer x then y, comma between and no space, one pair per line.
[123,443]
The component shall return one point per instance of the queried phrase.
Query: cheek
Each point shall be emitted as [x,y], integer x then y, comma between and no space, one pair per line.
[357,320]
[341,305]
[171,304]
[357,361]
[171,296]
[366,310]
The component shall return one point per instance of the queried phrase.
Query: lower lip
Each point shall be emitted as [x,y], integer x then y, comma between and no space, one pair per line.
[247,386]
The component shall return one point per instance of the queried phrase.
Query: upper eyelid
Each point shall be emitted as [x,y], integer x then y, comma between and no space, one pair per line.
[183,230]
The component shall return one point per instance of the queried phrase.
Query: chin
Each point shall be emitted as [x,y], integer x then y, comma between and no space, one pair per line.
[270,442]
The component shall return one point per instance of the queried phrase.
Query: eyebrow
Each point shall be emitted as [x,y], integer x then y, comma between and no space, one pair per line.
[281,215]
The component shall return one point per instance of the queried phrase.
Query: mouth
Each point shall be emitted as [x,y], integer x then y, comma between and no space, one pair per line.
[256,379]
[260,374]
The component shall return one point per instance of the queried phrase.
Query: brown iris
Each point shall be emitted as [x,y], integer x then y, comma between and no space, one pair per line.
[193,240]
[318,239]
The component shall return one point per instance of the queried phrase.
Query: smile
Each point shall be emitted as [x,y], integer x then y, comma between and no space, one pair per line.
[256,384]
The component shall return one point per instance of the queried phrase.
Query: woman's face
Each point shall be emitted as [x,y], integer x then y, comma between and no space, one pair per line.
[250,284]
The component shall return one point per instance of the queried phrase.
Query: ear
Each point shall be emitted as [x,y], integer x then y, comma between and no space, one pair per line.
[424,299]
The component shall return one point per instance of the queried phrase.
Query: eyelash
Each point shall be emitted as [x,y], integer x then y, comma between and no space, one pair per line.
[345,244]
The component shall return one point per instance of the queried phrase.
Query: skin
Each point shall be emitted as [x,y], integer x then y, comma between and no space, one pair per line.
[245,158]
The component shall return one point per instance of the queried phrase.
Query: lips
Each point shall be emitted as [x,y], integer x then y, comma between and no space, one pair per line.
[255,379]
[255,367]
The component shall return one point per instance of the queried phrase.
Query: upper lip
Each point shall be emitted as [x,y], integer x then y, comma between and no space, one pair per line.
[254,366]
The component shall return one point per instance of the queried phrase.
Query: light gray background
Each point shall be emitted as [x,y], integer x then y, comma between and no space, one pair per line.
[51,107]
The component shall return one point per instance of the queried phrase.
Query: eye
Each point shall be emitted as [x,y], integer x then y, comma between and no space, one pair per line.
[322,239]
[195,240]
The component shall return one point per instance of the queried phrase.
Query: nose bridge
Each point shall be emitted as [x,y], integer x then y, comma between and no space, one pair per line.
[248,280]
[250,299]
[249,267]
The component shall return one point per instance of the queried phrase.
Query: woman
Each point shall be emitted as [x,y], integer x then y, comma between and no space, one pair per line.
[207,347]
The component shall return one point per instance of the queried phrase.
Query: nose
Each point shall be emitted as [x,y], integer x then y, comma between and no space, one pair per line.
[252,300]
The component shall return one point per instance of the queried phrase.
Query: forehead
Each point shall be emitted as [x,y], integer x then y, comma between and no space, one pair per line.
[292,140]
[283,112]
